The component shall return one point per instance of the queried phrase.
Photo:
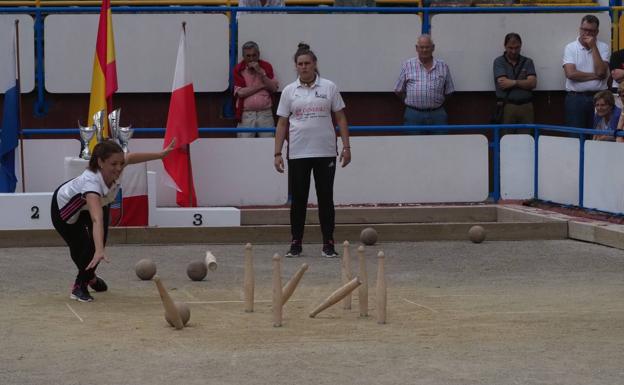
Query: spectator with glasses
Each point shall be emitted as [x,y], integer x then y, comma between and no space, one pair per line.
[586,68]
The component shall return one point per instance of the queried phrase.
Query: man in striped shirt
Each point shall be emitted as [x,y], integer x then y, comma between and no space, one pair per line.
[423,85]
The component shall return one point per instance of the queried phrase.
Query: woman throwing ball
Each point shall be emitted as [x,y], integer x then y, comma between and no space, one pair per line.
[305,112]
[80,209]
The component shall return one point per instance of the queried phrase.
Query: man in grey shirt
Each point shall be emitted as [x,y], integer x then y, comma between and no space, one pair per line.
[515,78]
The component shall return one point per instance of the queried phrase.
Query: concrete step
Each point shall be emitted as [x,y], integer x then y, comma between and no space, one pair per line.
[388,232]
[378,214]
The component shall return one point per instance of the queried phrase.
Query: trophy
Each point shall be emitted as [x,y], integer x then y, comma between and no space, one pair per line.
[98,123]
[86,134]
[119,134]
[125,133]
[113,124]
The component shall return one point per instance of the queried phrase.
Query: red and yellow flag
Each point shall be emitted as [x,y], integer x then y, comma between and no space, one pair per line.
[104,80]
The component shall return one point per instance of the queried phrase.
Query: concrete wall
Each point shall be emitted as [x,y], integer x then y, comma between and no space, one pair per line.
[360,52]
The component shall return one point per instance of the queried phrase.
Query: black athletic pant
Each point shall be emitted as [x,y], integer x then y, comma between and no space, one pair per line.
[79,238]
[299,171]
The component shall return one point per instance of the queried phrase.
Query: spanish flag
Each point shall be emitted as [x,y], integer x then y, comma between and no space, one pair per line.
[104,80]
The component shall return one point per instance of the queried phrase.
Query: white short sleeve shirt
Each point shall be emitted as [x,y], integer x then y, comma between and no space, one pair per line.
[71,197]
[308,109]
[581,57]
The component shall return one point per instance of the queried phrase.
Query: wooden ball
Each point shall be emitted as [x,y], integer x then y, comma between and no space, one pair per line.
[185,313]
[196,270]
[476,234]
[145,269]
[368,236]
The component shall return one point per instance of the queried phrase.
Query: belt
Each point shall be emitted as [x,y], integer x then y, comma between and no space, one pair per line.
[584,93]
[424,109]
[517,102]
[263,110]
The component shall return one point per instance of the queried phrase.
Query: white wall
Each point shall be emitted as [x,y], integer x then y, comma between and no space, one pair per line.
[558,169]
[517,165]
[604,182]
[359,52]
[388,169]
[239,172]
[145,49]
[469,43]
[26,48]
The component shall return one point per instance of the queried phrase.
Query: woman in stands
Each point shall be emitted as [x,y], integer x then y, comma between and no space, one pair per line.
[80,211]
[607,115]
[305,112]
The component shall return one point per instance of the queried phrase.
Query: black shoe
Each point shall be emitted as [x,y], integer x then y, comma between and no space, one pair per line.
[329,251]
[295,249]
[81,293]
[98,284]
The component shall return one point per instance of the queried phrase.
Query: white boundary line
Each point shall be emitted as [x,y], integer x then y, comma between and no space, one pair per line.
[256,301]
[72,310]
[419,305]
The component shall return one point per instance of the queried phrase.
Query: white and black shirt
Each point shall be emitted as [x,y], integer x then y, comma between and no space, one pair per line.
[71,197]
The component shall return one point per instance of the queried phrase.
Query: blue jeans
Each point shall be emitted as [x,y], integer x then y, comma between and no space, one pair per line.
[414,117]
[579,110]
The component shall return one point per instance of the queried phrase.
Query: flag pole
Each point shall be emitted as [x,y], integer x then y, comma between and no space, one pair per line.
[19,105]
[188,149]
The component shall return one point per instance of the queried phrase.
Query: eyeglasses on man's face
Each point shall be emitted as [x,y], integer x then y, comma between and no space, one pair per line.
[590,31]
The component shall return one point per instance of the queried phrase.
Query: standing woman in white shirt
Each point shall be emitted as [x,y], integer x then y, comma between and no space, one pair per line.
[305,113]
[80,209]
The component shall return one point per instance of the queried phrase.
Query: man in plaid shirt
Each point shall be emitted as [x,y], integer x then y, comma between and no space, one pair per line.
[423,85]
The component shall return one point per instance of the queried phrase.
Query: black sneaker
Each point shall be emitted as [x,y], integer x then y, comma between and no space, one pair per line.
[81,293]
[329,251]
[295,249]
[98,284]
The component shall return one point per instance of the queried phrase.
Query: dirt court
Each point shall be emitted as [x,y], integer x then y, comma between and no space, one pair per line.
[529,312]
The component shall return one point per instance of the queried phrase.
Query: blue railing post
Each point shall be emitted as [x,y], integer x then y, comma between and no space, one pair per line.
[426,22]
[535,162]
[581,167]
[228,107]
[496,153]
[41,107]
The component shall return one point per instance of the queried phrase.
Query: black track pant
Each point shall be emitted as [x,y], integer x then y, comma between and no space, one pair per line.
[79,238]
[299,171]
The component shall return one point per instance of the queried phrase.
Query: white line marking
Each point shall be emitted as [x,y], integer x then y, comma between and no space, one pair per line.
[72,310]
[486,313]
[465,295]
[256,301]
[419,305]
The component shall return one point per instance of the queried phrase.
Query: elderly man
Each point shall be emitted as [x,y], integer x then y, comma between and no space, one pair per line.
[423,85]
[254,84]
[515,78]
[585,63]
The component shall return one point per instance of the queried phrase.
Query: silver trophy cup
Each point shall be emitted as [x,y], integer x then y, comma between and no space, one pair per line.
[125,133]
[86,134]
[99,122]
[113,124]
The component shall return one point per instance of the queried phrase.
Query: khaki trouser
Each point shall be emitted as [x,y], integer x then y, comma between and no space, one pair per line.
[518,114]
[257,119]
